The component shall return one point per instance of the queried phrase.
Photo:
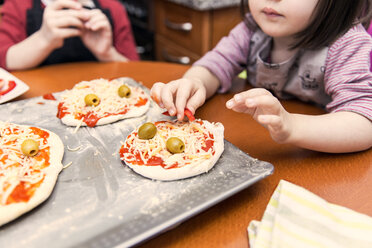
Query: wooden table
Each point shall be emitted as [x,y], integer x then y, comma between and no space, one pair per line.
[344,179]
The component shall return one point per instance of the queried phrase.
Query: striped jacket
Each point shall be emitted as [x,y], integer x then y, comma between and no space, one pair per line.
[347,77]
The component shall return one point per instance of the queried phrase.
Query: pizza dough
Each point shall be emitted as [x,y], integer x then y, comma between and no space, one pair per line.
[25,181]
[203,145]
[74,111]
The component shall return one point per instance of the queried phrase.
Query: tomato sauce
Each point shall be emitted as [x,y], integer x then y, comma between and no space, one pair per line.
[153,161]
[62,111]
[43,155]
[7,131]
[23,192]
[41,133]
[3,158]
[208,143]
[90,118]
[141,102]
[49,96]
[120,113]
[11,85]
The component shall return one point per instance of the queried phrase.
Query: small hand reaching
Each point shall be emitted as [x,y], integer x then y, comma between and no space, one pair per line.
[266,110]
[61,19]
[97,34]
[178,95]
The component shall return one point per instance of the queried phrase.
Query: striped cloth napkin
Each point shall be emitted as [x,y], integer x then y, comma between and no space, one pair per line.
[297,218]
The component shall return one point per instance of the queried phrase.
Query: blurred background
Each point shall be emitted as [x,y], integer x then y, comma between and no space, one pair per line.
[180,31]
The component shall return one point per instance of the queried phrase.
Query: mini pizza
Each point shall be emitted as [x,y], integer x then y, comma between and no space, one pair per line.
[171,150]
[101,101]
[10,86]
[30,161]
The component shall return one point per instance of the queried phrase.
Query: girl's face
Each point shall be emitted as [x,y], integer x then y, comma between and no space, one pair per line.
[282,18]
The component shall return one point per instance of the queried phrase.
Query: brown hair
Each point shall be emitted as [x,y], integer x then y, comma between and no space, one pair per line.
[331,19]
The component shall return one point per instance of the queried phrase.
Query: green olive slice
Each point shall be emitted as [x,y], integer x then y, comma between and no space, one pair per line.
[124,91]
[147,131]
[91,100]
[175,145]
[30,147]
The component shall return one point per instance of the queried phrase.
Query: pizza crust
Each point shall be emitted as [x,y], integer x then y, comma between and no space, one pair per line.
[159,173]
[70,120]
[13,211]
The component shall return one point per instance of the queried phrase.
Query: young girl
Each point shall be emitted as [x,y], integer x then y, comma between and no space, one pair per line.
[34,32]
[314,50]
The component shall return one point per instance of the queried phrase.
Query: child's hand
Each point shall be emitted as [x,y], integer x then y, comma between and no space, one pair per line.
[97,34]
[178,95]
[61,20]
[266,110]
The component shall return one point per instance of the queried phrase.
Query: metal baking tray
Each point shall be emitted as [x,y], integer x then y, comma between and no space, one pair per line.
[100,202]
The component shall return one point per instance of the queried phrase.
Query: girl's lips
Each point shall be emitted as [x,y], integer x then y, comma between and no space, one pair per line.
[270,12]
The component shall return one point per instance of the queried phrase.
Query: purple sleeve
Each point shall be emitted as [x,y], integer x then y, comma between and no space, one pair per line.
[229,57]
[370,32]
[348,79]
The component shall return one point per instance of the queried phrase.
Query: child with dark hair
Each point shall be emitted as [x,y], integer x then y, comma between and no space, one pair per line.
[314,50]
[43,32]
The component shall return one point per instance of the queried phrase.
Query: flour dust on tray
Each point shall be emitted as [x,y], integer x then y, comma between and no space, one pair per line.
[30,161]
[102,101]
[171,150]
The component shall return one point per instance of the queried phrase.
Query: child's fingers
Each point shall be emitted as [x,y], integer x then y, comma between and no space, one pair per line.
[234,104]
[99,25]
[155,93]
[243,109]
[69,32]
[63,18]
[167,93]
[177,95]
[96,20]
[95,14]
[196,100]
[65,4]
[66,22]
[183,94]
[239,99]
[253,102]
[238,106]
[267,103]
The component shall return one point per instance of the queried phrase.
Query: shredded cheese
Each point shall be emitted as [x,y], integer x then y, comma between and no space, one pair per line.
[67,165]
[194,135]
[16,168]
[107,91]
[78,126]
[74,149]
